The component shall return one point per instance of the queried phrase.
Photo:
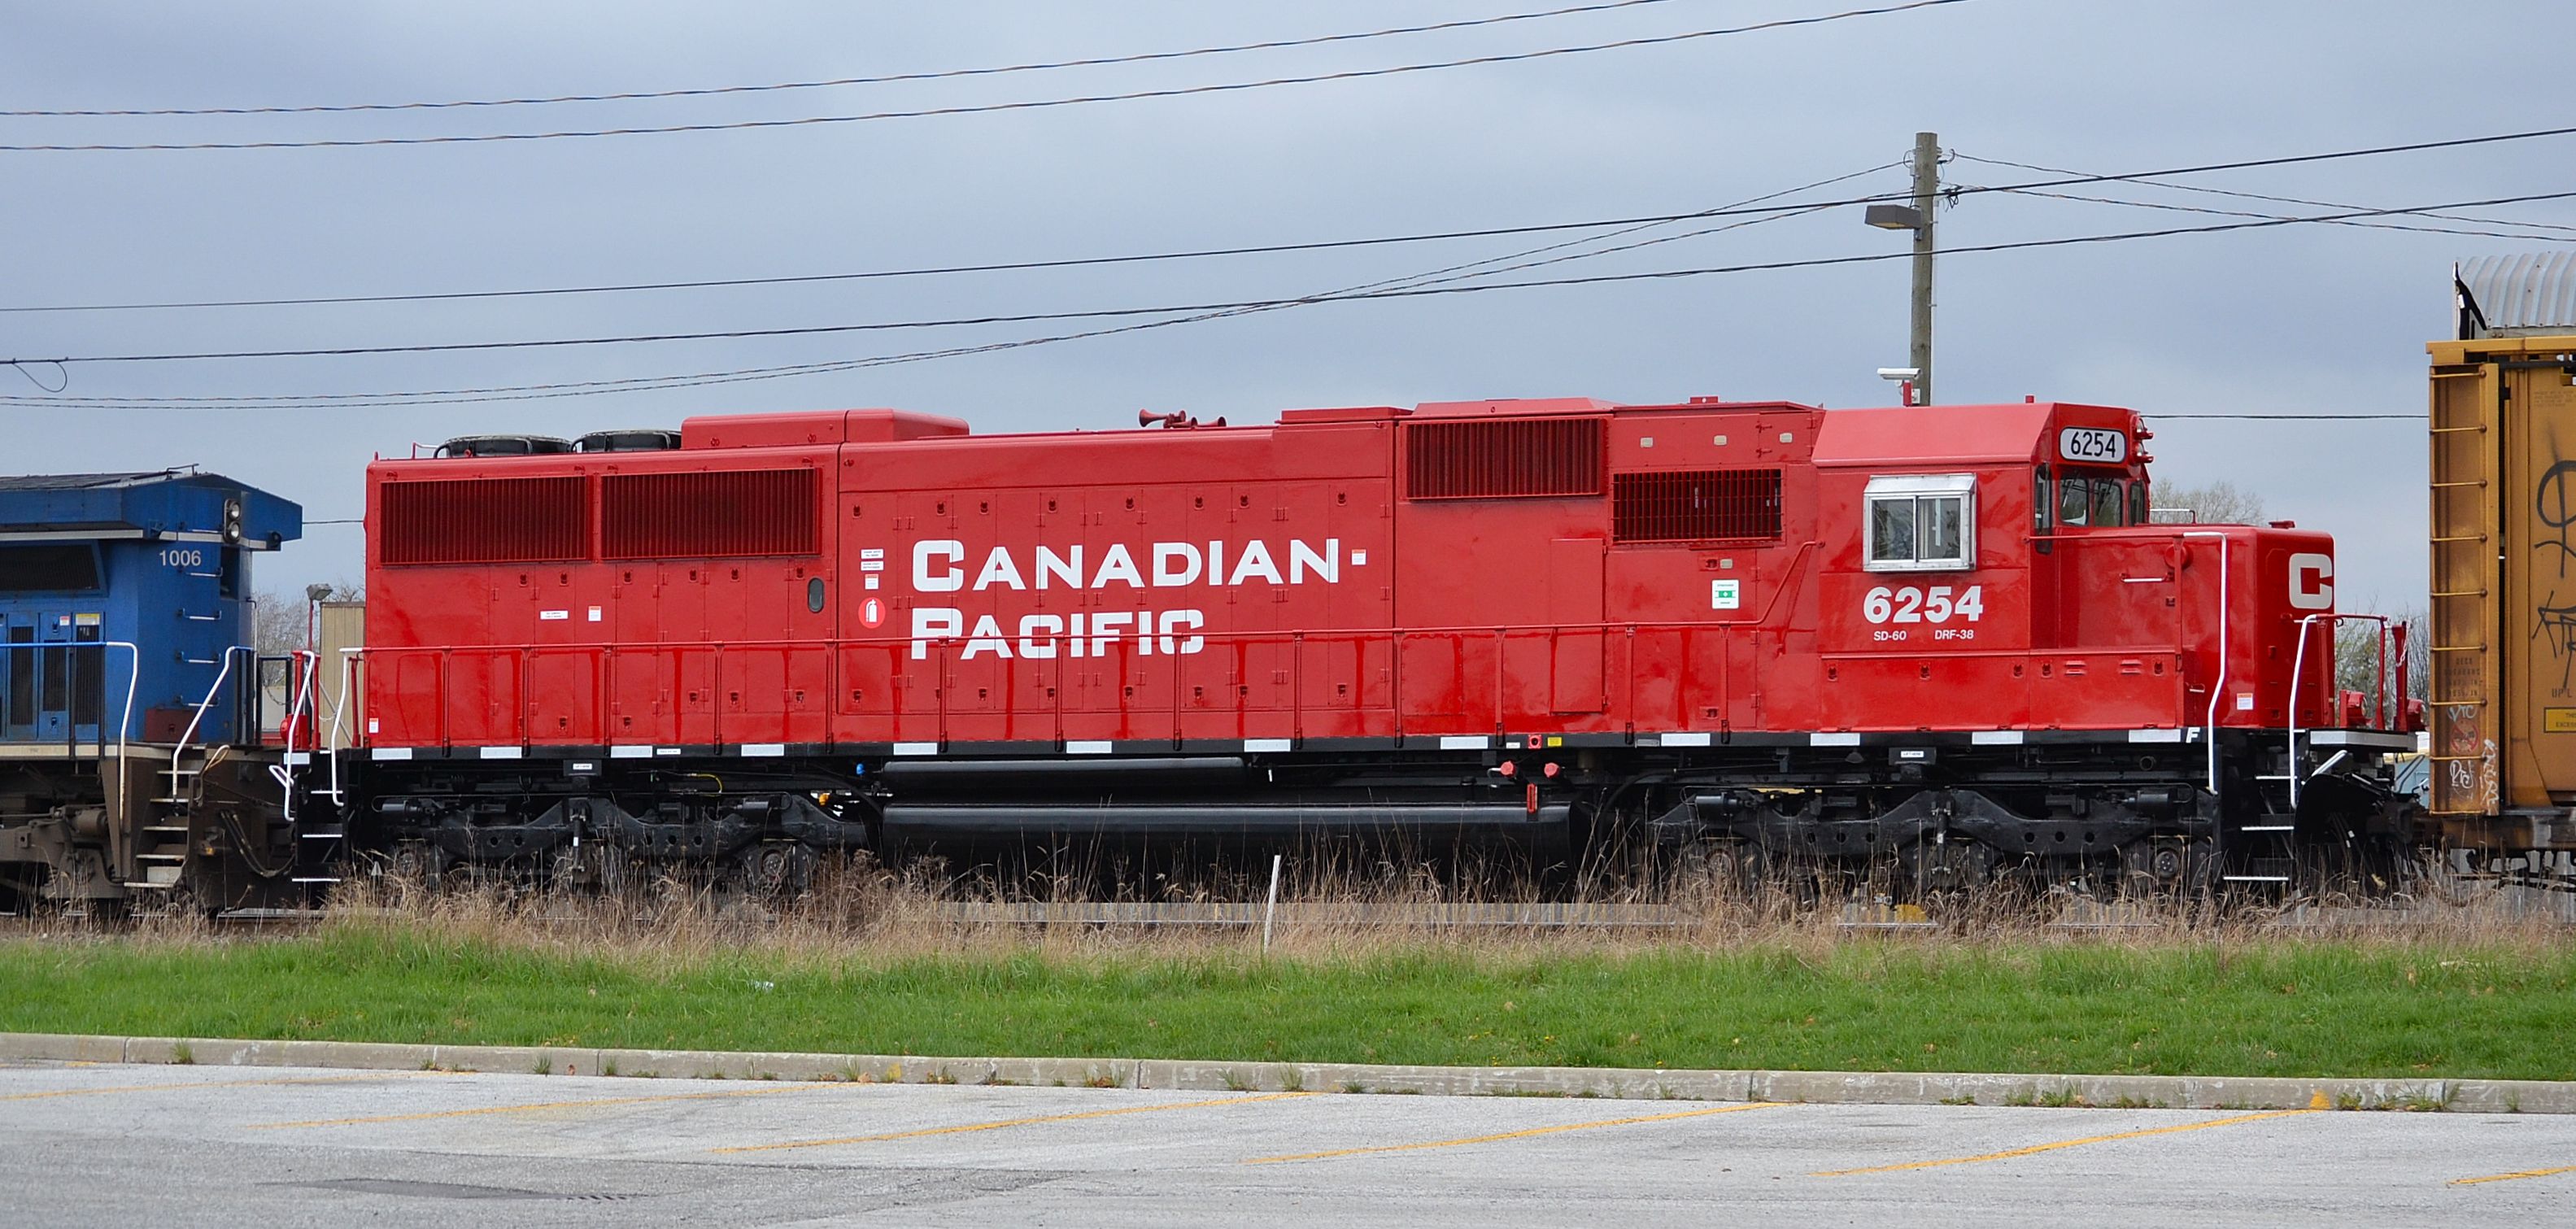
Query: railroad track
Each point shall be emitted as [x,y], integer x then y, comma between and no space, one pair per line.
[2499,903]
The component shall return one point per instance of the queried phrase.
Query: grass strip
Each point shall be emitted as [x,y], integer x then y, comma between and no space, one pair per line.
[2276,1008]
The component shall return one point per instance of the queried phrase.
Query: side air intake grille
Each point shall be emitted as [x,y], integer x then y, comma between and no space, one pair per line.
[484,520]
[1511,458]
[690,516]
[1695,506]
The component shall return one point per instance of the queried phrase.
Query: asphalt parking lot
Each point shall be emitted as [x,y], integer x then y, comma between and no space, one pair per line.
[277,1147]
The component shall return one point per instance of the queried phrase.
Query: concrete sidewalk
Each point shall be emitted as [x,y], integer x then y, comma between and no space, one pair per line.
[1810,1087]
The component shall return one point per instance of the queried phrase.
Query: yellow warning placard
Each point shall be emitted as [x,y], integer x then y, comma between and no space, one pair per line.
[2558,720]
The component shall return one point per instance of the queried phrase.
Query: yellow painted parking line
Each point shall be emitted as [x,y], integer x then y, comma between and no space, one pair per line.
[2528,1173]
[2035,1149]
[1525,1134]
[1011,1122]
[543,1105]
[185,1084]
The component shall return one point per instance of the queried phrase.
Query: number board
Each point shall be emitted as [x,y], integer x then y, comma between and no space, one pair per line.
[2093,445]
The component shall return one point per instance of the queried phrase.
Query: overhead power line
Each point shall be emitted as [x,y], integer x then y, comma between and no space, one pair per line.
[2252,196]
[985,108]
[832,83]
[2248,213]
[531,392]
[1072,262]
[1176,309]
[2066,179]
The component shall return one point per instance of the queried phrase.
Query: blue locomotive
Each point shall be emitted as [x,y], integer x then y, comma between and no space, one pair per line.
[133,771]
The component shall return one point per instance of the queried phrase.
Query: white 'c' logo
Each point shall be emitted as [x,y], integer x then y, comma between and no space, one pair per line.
[2312,582]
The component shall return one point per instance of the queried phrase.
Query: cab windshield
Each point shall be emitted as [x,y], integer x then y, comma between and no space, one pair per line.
[2101,501]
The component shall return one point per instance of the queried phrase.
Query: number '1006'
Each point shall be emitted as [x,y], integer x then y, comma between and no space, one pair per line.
[1909,604]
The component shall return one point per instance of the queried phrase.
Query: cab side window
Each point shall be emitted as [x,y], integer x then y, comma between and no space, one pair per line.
[1921,523]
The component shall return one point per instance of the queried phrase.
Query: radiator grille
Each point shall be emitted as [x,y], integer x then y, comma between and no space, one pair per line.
[484,520]
[1504,459]
[688,516]
[1695,506]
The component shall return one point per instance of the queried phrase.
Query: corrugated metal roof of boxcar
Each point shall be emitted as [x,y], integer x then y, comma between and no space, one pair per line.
[2524,293]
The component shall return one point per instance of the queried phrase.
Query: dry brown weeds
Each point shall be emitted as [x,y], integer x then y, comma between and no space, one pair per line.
[860,911]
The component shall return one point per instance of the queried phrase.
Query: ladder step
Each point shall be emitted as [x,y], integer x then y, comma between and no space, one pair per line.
[179,801]
[314,879]
[2269,828]
[326,834]
[180,828]
[161,857]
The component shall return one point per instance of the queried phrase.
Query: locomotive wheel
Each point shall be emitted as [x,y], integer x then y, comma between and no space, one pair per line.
[1929,869]
[2149,866]
[776,869]
[2163,866]
[1731,870]
[419,862]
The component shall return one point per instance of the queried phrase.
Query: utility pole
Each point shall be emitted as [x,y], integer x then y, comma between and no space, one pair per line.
[1918,219]
[1927,187]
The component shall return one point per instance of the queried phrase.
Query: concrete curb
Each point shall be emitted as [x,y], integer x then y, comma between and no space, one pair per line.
[1184,1075]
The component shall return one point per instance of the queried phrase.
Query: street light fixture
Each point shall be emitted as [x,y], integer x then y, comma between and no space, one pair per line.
[1917,219]
[1894,217]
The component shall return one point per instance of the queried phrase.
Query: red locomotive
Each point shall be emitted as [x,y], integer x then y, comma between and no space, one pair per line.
[1944,639]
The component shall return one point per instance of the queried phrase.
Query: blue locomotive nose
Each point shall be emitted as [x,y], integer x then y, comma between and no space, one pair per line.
[121,596]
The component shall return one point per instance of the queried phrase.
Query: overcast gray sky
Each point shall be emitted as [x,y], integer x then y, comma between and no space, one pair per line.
[2291,320]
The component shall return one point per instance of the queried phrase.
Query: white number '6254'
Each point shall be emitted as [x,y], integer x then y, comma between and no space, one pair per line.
[1908,604]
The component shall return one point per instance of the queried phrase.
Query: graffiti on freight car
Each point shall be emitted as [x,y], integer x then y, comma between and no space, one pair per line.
[2553,619]
[2550,503]
[2470,781]
[2557,626]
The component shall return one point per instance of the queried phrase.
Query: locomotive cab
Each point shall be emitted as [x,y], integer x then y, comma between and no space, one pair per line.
[125,691]
[1956,540]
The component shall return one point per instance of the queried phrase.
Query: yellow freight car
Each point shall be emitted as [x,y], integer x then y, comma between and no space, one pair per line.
[2503,453]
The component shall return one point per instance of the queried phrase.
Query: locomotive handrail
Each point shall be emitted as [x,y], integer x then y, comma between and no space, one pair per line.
[125,720]
[1398,641]
[2218,685]
[299,698]
[1279,635]
[180,749]
[1297,640]
[1367,642]
[2298,670]
[339,710]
